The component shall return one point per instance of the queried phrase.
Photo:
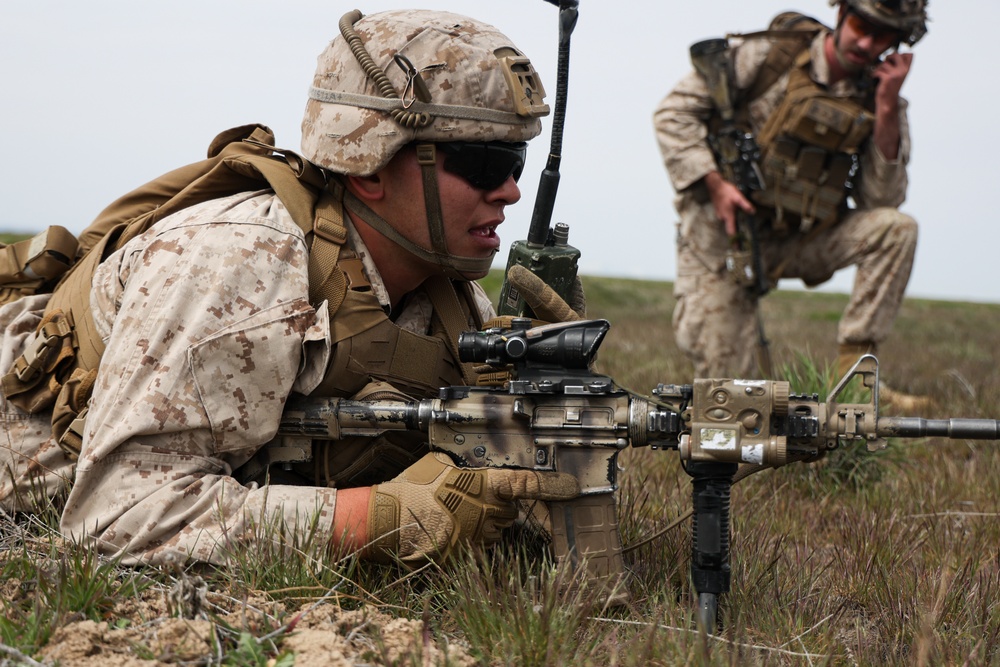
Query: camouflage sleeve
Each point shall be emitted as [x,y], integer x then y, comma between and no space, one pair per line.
[682,134]
[681,118]
[209,329]
[883,182]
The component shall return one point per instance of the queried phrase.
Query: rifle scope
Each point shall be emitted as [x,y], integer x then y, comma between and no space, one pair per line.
[569,345]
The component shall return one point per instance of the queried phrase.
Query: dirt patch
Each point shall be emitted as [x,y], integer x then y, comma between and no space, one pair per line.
[323,635]
[342,637]
[90,644]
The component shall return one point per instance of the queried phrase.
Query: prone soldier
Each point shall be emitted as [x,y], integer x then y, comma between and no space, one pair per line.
[346,271]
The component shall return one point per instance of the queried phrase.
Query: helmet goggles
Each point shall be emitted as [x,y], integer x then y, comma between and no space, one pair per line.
[484,165]
[862,25]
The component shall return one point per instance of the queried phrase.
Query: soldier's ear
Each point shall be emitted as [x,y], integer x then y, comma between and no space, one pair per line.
[367,188]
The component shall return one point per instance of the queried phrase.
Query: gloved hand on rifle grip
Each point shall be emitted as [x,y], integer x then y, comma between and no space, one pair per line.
[543,300]
[433,506]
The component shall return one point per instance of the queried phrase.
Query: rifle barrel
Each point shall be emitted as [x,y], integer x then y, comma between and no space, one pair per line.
[917,427]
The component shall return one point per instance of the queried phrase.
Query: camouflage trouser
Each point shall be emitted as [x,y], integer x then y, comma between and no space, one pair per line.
[715,320]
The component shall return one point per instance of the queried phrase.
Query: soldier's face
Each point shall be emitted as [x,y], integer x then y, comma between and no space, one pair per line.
[471,214]
[860,41]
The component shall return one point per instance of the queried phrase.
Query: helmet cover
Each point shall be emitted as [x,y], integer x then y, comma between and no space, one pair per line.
[907,16]
[467,77]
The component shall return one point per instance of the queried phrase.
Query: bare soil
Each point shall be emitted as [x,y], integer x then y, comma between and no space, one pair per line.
[318,635]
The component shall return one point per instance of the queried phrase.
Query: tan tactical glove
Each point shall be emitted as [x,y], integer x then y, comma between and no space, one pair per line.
[543,300]
[432,506]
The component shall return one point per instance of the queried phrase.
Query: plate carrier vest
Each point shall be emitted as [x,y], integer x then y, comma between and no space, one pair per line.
[811,142]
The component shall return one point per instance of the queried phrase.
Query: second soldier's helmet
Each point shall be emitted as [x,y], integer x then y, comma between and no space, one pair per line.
[907,16]
[397,77]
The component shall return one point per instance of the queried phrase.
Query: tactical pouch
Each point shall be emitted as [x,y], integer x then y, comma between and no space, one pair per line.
[36,377]
[69,414]
[811,116]
[808,153]
[830,123]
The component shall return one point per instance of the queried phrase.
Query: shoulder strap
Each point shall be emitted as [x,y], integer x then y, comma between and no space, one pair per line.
[452,316]
[790,34]
[799,85]
[326,280]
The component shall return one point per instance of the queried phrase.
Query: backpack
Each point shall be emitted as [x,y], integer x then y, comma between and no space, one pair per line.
[58,370]
[34,265]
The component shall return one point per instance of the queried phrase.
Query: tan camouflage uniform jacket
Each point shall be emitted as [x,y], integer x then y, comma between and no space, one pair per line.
[208,329]
[715,320]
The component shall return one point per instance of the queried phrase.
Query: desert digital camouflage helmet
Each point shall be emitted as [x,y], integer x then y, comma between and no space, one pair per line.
[909,17]
[417,77]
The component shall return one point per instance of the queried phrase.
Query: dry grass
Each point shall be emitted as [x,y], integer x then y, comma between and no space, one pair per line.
[860,560]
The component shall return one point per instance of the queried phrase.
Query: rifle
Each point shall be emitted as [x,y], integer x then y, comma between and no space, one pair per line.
[737,156]
[546,252]
[556,414]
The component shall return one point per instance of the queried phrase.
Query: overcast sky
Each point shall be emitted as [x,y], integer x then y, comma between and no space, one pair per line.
[99,97]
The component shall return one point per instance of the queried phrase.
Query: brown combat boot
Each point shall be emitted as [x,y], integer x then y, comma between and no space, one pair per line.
[902,403]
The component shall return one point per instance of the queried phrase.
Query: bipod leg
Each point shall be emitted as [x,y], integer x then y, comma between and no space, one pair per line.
[711,483]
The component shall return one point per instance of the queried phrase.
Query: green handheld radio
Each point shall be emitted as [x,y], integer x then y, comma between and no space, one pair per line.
[546,252]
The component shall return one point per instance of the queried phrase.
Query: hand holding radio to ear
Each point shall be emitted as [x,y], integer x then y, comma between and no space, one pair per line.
[891,73]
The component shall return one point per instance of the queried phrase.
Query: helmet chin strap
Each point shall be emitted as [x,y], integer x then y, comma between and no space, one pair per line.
[452,266]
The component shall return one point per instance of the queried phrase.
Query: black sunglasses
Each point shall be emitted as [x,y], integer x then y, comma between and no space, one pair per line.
[484,165]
